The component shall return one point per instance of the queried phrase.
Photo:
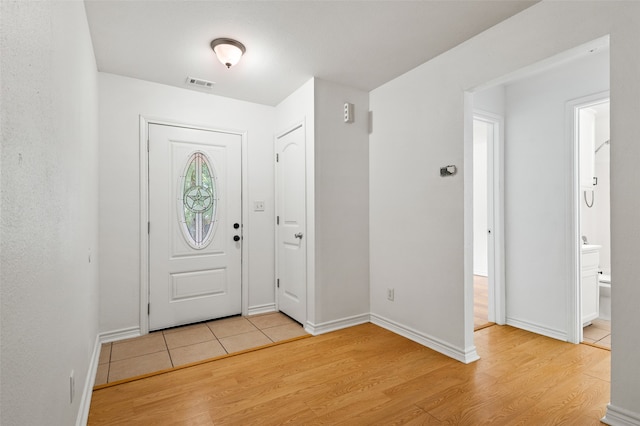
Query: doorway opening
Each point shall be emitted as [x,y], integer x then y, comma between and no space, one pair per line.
[486,208]
[536,167]
[591,139]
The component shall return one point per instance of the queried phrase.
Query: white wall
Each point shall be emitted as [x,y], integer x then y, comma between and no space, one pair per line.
[341,203]
[418,229]
[49,199]
[538,191]
[298,108]
[490,100]
[122,101]
[337,200]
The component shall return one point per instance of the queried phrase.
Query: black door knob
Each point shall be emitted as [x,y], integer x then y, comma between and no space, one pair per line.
[236,238]
[236,225]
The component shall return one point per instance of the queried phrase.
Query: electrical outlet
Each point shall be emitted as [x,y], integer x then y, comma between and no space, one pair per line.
[72,387]
[390,294]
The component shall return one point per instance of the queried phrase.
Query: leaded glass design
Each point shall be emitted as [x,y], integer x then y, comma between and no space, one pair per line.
[197,200]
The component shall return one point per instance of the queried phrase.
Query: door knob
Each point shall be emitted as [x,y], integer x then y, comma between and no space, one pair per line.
[236,238]
[236,225]
[298,235]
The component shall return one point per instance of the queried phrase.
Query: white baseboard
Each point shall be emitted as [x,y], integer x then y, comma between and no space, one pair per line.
[617,416]
[115,335]
[261,309]
[334,325]
[466,356]
[539,329]
[87,391]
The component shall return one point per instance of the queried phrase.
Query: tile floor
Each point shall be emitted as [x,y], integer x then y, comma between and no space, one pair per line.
[173,347]
[598,333]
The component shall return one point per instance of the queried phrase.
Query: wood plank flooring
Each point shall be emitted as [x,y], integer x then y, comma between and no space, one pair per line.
[367,375]
[480,302]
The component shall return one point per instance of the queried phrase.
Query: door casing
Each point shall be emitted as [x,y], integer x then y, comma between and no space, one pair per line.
[144,211]
[495,216]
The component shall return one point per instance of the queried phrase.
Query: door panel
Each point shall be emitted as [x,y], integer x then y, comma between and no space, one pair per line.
[194,201]
[291,211]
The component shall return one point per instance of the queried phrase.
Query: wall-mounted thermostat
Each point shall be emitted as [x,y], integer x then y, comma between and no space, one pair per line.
[448,170]
[348,112]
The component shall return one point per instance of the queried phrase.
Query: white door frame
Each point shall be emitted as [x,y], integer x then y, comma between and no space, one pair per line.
[307,233]
[495,216]
[145,121]
[574,289]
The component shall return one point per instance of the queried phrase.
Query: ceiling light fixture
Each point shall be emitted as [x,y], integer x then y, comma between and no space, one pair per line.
[228,51]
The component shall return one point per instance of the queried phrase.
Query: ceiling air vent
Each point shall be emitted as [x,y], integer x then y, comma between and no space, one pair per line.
[198,82]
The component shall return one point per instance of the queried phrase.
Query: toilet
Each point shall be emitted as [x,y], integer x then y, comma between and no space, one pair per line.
[604,290]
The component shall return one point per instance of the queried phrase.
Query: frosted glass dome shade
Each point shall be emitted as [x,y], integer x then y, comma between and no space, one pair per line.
[228,51]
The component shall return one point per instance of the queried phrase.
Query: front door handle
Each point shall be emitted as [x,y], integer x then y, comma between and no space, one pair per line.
[298,235]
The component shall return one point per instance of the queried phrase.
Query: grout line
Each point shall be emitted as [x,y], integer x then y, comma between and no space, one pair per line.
[223,348]
[168,351]
[270,339]
[212,332]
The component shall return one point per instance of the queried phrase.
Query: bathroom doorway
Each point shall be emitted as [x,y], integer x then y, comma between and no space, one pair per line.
[592,141]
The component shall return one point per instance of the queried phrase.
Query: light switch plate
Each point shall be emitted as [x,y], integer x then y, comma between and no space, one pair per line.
[258,206]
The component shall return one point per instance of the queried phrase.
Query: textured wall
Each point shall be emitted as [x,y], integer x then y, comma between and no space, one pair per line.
[49,213]
[417,226]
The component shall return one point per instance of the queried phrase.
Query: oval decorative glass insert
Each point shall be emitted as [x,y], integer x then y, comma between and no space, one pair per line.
[197,200]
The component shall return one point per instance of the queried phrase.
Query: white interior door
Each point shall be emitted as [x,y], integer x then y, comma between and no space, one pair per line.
[291,224]
[194,225]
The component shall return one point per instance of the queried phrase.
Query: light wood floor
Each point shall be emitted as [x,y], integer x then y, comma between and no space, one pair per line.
[367,375]
[480,302]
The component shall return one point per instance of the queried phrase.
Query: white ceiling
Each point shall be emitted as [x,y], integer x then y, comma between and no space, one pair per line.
[361,44]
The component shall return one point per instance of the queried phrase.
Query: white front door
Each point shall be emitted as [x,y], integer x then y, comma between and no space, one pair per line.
[291,224]
[195,232]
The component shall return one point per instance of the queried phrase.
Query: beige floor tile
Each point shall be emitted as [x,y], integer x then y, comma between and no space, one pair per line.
[102,374]
[198,352]
[605,341]
[231,327]
[284,332]
[244,341]
[105,353]
[148,344]
[139,365]
[594,333]
[184,336]
[270,320]
[603,324]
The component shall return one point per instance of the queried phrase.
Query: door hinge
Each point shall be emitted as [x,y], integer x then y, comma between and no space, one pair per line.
[277,158]
[147,144]
[277,220]
[278,282]
[148,308]
[148,227]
